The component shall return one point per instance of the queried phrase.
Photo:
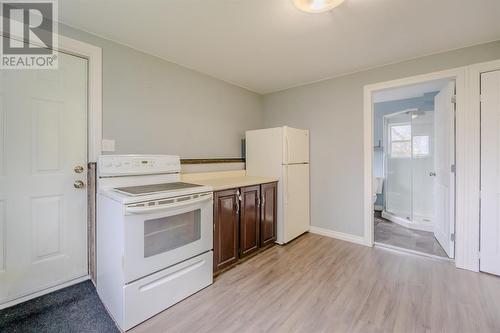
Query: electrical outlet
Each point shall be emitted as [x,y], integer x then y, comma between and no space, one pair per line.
[108,145]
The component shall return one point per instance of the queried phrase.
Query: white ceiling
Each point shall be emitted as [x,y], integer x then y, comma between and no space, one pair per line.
[269,45]
[412,91]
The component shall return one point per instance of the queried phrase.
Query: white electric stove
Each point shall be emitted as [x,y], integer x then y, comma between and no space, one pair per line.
[154,236]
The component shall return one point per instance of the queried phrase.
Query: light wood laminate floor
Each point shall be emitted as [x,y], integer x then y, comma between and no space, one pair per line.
[319,284]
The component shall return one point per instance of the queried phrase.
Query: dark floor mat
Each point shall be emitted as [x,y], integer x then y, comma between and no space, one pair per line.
[72,309]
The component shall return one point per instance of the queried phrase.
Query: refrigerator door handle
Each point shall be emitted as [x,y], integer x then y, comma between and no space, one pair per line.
[285,185]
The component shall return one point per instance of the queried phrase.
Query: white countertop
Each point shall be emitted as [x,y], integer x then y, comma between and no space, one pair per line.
[226,180]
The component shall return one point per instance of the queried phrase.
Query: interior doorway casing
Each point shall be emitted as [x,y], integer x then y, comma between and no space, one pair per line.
[467,163]
[474,90]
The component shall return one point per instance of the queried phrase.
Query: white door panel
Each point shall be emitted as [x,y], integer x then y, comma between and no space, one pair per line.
[43,217]
[490,174]
[295,200]
[296,146]
[444,158]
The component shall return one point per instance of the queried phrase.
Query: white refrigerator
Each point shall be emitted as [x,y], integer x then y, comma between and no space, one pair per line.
[283,153]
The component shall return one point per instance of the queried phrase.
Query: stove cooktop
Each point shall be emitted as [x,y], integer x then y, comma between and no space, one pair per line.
[155,188]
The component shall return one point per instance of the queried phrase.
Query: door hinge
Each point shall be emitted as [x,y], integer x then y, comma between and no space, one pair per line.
[453,168]
[454,99]
[452,237]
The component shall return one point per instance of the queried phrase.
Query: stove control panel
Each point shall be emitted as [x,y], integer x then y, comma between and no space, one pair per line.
[128,165]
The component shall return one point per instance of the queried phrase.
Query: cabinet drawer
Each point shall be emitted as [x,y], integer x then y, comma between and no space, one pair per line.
[148,296]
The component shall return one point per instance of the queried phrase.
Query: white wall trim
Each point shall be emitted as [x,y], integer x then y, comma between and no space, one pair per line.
[338,235]
[467,161]
[368,167]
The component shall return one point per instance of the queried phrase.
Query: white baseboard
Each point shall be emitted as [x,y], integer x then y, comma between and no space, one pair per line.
[339,235]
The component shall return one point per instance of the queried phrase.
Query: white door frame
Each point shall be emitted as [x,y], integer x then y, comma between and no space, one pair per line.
[93,54]
[474,89]
[467,161]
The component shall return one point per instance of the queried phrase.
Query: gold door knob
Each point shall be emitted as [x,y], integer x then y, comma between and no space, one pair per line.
[79,184]
[78,169]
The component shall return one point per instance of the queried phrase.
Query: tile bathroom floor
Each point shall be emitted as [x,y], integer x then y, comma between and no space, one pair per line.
[389,233]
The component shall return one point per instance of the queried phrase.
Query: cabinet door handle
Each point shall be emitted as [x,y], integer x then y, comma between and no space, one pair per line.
[258,201]
[237,206]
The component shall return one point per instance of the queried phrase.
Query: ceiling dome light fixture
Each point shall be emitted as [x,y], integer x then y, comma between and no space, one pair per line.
[316,6]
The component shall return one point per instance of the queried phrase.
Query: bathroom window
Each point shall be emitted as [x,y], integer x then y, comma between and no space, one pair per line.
[421,146]
[400,140]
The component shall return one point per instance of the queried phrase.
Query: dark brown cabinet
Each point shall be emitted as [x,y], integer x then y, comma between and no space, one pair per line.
[244,222]
[249,220]
[226,228]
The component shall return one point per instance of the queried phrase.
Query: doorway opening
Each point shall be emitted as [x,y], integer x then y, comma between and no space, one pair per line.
[414,168]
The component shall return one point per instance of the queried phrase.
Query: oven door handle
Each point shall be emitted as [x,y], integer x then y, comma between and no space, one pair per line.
[151,209]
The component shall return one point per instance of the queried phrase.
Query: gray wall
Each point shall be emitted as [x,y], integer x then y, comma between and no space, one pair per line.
[153,106]
[333,111]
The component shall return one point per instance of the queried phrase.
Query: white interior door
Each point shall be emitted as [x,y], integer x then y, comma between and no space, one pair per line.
[296,201]
[43,217]
[444,182]
[490,174]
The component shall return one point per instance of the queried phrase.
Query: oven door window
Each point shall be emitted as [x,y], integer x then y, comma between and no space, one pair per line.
[167,233]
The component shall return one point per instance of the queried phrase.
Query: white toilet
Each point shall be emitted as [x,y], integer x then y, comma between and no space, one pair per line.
[378,185]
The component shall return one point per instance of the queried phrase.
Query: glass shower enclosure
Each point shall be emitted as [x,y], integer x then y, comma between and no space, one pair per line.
[408,168]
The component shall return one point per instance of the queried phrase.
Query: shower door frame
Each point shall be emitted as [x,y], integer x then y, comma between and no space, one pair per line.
[387,145]
[411,224]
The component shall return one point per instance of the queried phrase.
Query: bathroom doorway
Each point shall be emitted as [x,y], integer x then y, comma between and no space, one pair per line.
[413,168]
